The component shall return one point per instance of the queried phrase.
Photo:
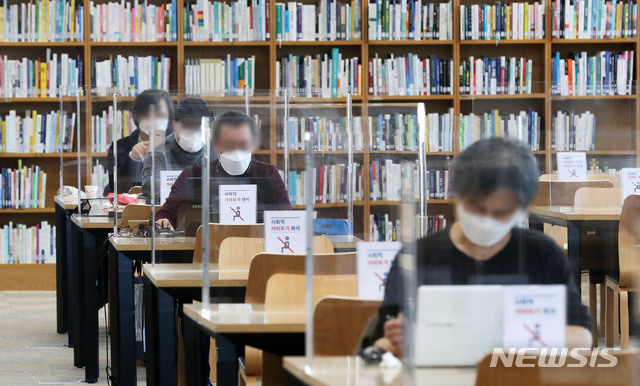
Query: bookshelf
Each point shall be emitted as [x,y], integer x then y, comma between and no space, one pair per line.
[618,141]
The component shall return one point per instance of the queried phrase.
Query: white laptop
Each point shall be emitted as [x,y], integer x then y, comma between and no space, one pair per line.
[457,325]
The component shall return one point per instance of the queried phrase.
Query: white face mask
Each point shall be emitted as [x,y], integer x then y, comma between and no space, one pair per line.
[190,141]
[162,124]
[484,231]
[235,162]
[145,125]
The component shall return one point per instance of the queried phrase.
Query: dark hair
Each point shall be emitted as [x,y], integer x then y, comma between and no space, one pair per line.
[234,119]
[191,110]
[493,164]
[143,102]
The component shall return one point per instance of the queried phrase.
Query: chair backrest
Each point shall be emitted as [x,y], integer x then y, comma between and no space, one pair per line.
[625,372]
[598,197]
[135,190]
[590,177]
[265,265]
[135,212]
[628,238]
[563,192]
[339,322]
[237,252]
[287,291]
[219,232]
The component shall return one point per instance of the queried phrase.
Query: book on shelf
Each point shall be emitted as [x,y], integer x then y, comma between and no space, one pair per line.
[133,22]
[410,20]
[42,21]
[605,73]
[321,75]
[56,75]
[37,132]
[383,228]
[399,132]
[99,176]
[387,177]
[410,75]
[573,131]
[330,184]
[513,21]
[23,244]
[594,19]
[524,126]
[326,20]
[102,127]
[217,21]
[330,134]
[219,77]
[129,75]
[495,76]
[24,187]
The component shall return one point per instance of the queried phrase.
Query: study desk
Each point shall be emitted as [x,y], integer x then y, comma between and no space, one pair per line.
[352,370]
[123,252]
[64,208]
[164,286]
[234,326]
[586,228]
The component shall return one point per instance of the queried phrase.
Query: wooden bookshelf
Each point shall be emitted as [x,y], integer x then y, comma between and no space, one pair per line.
[617,139]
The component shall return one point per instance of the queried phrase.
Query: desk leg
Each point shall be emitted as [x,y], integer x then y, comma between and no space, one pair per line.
[89,310]
[227,366]
[61,271]
[196,355]
[69,285]
[536,224]
[291,380]
[77,296]
[573,249]
[121,319]
[160,331]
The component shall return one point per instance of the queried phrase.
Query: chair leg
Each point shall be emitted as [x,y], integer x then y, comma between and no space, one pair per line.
[608,326]
[593,311]
[616,316]
[624,318]
[603,308]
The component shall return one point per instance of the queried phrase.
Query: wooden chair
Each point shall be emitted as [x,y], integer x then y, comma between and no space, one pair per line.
[134,214]
[219,232]
[625,372]
[339,322]
[287,291]
[628,237]
[135,190]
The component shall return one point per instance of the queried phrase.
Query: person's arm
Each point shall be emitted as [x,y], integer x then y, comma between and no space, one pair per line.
[146,176]
[280,195]
[109,188]
[169,210]
[388,333]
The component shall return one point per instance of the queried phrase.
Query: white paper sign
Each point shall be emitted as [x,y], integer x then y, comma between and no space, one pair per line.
[535,316]
[167,178]
[572,166]
[630,182]
[374,262]
[238,204]
[285,232]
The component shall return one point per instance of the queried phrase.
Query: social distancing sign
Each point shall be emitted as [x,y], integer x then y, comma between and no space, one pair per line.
[285,232]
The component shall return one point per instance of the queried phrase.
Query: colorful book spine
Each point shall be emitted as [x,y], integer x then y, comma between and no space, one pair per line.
[23,21]
[410,20]
[132,22]
[227,21]
[326,20]
[386,179]
[524,126]
[496,76]
[102,128]
[37,133]
[594,19]
[129,75]
[329,133]
[24,187]
[220,77]
[23,244]
[399,132]
[330,184]
[513,21]
[605,73]
[410,75]
[573,131]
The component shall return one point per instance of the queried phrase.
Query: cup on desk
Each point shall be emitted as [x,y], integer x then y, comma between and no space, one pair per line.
[91,191]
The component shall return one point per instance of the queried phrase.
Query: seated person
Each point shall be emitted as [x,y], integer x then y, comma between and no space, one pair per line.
[182,148]
[495,181]
[132,149]
[235,137]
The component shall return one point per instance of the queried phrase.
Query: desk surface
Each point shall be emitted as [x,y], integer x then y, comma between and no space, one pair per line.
[179,243]
[92,222]
[350,370]
[243,318]
[573,213]
[66,202]
[190,275]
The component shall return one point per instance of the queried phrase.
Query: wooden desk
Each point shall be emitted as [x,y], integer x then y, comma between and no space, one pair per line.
[351,370]
[92,222]
[126,244]
[234,326]
[166,285]
[570,213]
[68,203]
[64,207]
[343,243]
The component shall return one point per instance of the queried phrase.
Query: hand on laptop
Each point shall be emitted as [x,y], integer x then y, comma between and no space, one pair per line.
[393,333]
[163,223]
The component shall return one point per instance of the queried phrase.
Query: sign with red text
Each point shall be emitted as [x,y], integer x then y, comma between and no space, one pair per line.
[167,178]
[285,232]
[374,262]
[238,204]
[572,166]
[630,182]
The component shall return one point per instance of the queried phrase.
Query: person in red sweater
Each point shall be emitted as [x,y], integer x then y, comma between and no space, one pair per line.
[235,137]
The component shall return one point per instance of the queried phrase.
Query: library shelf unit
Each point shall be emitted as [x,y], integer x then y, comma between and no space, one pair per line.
[618,140]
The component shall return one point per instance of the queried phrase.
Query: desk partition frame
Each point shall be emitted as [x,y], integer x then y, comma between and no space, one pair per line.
[115,134]
[205,124]
[79,155]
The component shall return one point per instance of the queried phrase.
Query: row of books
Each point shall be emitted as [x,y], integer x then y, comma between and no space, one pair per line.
[218,21]
[34,78]
[383,228]
[524,126]
[330,134]
[330,184]
[594,19]
[386,179]
[326,76]
[22,244]
[410,20]
[573,131]
[42,21]
[220,77]
[328,20]
[515,21]
[605,73]
[495,76]
[24,187]
[129,75]
[410,75]
[102,127]
[133,22]
[99,176]
[37,132]
[399,132]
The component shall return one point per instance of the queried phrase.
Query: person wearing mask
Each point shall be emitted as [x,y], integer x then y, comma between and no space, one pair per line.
[182,148]
[235,137]
[494,182]
[133,149]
